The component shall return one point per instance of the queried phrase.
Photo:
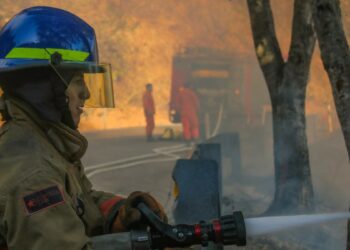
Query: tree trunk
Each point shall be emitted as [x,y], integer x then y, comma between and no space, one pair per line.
[287,83]
[336,59]
[293,188]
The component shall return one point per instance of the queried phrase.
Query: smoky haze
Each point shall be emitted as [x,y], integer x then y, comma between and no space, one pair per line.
[141,39]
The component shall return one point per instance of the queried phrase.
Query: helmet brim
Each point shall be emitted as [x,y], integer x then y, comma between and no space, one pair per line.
[16,65]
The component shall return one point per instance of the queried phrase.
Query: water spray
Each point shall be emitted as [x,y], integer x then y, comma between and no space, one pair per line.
[272,224]
[227,230]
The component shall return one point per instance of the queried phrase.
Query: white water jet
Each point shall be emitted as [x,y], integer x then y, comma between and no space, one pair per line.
[265,225]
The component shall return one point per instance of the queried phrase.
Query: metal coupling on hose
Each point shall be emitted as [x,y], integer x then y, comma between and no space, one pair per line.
[233,229]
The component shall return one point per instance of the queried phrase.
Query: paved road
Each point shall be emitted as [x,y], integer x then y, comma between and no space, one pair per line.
[252,194]
[153,177]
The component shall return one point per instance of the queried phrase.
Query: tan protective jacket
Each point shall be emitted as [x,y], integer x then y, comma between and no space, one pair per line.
[46,201]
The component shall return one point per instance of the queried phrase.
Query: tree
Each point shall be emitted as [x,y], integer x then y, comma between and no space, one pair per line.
[335,55]
[287,82]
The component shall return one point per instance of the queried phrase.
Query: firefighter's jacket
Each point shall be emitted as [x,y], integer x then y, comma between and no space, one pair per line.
[148,104]
[188,103]
[46,201]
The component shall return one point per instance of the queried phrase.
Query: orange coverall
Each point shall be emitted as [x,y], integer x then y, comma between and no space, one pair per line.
[189,106]
[149,110]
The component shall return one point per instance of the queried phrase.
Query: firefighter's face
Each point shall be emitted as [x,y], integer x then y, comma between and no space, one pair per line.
[77,94]
[149,88]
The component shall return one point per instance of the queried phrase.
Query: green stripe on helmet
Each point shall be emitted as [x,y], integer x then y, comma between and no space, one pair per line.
[44,53]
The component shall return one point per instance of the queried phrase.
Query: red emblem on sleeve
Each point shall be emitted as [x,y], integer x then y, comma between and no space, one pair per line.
[45,198]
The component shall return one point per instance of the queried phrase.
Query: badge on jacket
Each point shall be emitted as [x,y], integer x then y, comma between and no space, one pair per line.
[42,199]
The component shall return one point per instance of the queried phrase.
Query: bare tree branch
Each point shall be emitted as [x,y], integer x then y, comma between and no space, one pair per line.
[266,45]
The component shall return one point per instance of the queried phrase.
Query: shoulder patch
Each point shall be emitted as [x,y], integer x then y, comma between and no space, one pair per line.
[45,198]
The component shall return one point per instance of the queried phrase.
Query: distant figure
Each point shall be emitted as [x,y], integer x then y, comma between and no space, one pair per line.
[149,110]
[189,107]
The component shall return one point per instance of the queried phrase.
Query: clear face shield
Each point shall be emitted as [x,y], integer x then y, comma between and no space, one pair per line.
[93,83]
[98,81]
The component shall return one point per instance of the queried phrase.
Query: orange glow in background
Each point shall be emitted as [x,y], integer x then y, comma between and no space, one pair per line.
[140,37]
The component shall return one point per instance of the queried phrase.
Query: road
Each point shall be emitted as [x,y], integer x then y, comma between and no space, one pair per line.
[147,166]
[134,163]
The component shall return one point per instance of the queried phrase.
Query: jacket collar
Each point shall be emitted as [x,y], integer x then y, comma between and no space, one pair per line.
[68,142]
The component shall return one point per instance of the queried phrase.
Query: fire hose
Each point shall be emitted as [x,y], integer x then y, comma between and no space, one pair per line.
[226,230]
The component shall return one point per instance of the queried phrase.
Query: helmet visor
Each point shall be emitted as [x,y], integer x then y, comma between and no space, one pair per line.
[98,80]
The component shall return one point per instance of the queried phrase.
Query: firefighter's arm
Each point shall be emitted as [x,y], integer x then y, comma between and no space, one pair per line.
[39,214]
[144,102]
[129,216]
[108,204]
[120,213]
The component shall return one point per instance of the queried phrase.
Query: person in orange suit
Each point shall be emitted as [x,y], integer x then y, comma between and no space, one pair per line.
[149,110]
[189,107]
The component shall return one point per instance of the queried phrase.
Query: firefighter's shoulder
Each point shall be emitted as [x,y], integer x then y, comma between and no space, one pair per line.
[24,156]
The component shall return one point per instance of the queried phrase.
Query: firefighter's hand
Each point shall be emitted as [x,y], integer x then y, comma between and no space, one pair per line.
[130,217]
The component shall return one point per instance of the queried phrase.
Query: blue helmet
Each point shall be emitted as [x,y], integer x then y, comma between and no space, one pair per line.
[32,37]
[53,38]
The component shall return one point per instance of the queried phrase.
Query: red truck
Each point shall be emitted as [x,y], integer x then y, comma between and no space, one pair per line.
[230,88]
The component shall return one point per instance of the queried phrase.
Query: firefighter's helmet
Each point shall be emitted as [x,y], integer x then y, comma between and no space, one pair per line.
[57,39]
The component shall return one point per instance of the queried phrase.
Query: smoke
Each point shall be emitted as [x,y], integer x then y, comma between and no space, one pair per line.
[140,39]
[253,191]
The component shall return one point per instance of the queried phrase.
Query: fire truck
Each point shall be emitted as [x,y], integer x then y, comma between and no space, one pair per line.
[230,88]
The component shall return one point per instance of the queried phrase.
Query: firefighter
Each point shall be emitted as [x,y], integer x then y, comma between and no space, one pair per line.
[48,67]
[149,111]
[189,107]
